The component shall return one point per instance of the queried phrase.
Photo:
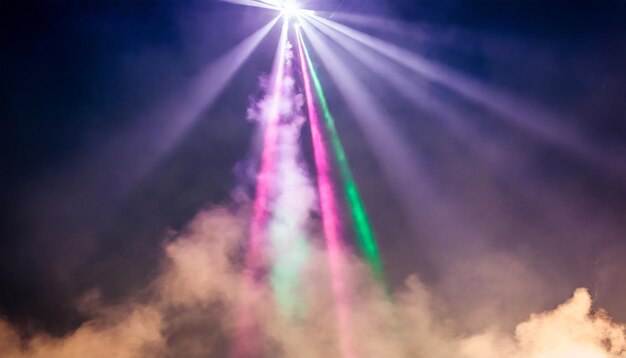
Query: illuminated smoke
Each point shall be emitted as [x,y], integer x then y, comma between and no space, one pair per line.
[189,310]
[571,330]
[294,201]
[192,308]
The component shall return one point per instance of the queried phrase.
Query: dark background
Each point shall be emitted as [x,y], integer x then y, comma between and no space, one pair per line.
[77,75]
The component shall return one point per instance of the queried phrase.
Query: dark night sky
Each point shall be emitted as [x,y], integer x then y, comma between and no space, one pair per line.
[77,75]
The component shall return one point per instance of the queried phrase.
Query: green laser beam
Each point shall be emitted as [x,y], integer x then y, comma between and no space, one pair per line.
[365,234]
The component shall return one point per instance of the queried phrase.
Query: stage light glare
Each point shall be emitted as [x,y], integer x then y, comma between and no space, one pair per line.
[290,9]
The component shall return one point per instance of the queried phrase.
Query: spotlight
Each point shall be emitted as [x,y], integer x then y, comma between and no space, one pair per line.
[290,9]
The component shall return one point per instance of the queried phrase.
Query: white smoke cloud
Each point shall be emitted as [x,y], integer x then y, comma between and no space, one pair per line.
[187,311]
[572,330]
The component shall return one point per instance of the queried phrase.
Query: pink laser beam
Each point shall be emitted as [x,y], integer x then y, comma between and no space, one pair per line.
[329,217]
[247,343]
[268,160]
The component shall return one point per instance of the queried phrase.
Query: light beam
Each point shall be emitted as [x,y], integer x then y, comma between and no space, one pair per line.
[334,244]
[531,118]
[402,169]
[247,343]
[365,234]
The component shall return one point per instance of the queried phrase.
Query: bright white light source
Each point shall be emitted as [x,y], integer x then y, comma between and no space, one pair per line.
[290,9]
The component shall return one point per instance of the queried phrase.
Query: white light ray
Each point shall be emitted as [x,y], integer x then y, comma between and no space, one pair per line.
[532,119]
[150,139]
[254,3]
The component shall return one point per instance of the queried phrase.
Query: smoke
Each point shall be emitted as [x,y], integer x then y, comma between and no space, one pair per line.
[295,200]
[191,308]
[571,330]
[188,311]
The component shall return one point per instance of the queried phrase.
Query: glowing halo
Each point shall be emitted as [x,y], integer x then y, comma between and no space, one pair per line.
[290,9]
